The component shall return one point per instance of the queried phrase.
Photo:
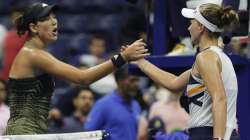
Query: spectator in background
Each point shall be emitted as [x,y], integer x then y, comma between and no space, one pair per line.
[12,43]
[82,101]
[238,47]
[98,48]
[117,113]
[97,54]
[97,51]
[169,110]
[166,116]
[4,109]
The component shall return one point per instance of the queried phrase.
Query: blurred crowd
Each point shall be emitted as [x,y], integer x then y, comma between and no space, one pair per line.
[126,106]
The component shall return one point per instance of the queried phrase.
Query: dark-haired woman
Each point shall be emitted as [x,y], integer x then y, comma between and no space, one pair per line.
[30,84]
[211,84]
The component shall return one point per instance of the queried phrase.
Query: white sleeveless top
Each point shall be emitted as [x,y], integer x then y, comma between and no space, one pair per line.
[200,104]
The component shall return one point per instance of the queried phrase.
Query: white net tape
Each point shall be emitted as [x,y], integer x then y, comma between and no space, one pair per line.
[91,135]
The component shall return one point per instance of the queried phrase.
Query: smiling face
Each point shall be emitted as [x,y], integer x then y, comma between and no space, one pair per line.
[46,28]
[195,29]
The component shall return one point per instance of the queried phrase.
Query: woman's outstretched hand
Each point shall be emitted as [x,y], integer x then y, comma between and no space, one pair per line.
[135,51]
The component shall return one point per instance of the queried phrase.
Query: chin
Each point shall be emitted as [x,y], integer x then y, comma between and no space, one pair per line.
[51,40]
[55,39]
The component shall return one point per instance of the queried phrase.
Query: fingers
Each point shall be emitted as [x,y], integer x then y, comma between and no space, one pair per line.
[123,48]
[140,44]
[142,51]
[140,56]
[137,46]
[135,51]
[138,41]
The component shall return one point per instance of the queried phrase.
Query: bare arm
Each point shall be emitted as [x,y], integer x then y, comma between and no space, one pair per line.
[209,68]
[45,61]
[166,79]
[50,64]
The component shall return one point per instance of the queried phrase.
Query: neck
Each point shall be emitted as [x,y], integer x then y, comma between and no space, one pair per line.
[124,96]
[37,42]
[79,114]
[206,42]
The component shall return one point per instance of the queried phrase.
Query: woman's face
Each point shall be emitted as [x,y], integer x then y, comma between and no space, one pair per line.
[47,28]
[195,30]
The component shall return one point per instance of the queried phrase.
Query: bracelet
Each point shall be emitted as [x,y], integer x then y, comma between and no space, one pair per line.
[118,61]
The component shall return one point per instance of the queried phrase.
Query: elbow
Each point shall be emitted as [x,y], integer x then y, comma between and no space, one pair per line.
[223,101]
[173,87]
[223,98]
[85,81]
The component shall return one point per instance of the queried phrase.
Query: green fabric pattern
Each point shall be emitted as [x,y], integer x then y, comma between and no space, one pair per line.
[29,101]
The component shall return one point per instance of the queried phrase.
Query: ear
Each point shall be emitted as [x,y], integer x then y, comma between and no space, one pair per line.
[202,28]
[33,28]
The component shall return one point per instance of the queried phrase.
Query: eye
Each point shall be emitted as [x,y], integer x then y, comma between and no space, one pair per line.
[53,16]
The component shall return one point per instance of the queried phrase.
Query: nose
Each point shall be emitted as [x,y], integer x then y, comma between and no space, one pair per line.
[189,28]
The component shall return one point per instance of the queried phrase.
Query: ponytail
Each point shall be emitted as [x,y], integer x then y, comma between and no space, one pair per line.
[229,17]
[21,26]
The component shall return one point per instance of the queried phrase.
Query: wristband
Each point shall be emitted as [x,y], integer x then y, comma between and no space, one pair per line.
[118,61]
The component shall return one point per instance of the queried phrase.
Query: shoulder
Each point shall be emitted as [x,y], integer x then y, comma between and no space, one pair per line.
[36,56]
[207,55]
[37,52]
[208,62]
[103,102]
[32,52]
[206,58]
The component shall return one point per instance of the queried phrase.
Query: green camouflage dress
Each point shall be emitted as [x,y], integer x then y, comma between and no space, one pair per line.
[29,101]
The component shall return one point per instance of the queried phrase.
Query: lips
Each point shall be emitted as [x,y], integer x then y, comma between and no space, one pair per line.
[54,31]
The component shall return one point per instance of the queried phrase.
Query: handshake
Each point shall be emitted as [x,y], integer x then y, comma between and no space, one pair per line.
[132,52]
